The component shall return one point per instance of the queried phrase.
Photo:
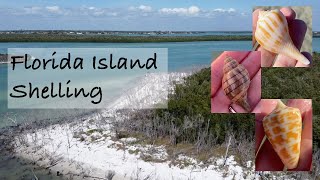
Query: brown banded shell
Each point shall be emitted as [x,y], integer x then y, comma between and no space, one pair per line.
[235,82]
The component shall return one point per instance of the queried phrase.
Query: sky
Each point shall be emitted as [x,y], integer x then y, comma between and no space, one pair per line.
[134,15]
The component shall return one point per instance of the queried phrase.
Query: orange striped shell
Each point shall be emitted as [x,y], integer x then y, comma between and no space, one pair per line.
[283,129]
[235,82]
[272,33]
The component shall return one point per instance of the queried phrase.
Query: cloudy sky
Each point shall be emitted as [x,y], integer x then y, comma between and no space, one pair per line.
[186,15]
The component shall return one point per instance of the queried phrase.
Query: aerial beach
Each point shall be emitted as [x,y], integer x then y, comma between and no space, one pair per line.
[71,137]
[98,127]
[155,125]
[60,148]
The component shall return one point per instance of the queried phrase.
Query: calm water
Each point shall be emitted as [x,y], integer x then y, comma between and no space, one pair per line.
[182,55]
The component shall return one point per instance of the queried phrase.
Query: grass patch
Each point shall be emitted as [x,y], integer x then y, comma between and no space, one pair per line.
[91,131]
[150,158]
[136,151]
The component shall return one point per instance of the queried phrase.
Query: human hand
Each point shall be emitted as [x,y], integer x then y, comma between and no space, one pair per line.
[251,61]
[297,30]
[267,159]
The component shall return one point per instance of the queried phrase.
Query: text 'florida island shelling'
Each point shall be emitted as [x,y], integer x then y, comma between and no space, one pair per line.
[69,62]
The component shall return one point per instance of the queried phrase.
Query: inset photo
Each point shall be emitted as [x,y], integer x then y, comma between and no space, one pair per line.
[283,35]
[284,135]
[236,82]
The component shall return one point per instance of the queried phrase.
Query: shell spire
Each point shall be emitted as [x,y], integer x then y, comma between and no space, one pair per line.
[235,82]
[272,33]
[283,128]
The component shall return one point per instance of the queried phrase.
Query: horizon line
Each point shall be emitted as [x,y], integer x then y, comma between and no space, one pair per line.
[314,31]
[126,30]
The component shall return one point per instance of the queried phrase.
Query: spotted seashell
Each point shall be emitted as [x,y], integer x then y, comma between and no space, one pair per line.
[272,33]
[235,82]
[283,128]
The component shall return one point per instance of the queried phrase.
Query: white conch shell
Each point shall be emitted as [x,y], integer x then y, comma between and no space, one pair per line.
[272,34]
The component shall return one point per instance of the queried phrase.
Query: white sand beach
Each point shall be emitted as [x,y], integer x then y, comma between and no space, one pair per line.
[74,152]
[89,148]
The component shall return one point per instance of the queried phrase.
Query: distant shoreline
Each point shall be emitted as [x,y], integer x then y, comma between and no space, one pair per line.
[117,39]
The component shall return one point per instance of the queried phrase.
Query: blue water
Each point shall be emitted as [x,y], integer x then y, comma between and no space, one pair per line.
[181,56]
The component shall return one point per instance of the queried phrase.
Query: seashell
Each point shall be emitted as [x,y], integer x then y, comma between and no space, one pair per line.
[272,33]
[235,82]
[283,128]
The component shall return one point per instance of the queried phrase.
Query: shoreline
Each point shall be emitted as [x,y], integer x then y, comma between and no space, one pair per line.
[118,39]
[6,38]
[144,85]
[24,148]
[88,147]
[91,149]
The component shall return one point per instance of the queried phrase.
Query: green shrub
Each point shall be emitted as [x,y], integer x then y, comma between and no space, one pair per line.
[296,83]
[189,107]
[192,101]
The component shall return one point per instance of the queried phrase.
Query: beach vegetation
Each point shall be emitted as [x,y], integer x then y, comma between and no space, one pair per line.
[90,131]
[296,83]
[188,113]
[190,128]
